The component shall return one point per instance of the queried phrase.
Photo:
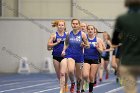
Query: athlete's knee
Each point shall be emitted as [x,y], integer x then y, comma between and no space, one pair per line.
[101,67]
[91,78]
[79,79]
[62,74]
[85,77]
[71,72]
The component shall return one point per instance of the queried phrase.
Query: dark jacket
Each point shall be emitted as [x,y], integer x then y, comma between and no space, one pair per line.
[127,32]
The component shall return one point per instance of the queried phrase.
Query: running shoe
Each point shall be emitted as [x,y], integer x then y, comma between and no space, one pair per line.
[72,88]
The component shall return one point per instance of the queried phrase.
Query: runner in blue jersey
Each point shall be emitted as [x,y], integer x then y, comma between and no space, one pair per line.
[103,45]
[83,27]
[84,84]
[91,57]
[56,42]
[75,42]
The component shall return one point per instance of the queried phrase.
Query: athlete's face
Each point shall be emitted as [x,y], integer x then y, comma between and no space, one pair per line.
[61,26]
[105,36]
[75,25]
[91,30]
[83,27]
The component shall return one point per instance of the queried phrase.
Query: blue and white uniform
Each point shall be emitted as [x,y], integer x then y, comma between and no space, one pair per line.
[92,55]
[74,50]
[57,50]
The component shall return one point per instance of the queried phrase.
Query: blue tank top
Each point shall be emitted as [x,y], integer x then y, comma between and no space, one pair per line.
[92,52]
[74,47]
[57,50]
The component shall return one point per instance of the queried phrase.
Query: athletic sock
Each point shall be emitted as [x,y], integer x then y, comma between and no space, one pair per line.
[91,87]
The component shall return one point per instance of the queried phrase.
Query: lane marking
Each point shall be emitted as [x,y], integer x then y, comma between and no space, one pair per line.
[69,85]
[103,85]
[48,90]
[114,90]
[117,89]
[26,82]
[24,87]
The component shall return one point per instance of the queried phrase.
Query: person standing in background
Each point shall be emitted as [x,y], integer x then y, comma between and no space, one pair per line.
[127,32]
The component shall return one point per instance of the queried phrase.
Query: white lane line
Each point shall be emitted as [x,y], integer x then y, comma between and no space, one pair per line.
[5,81]
[9,84]
[116,89]
[48,90]
[69,85]
[24,87]
[103,85]
[17,80]
[26,82]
